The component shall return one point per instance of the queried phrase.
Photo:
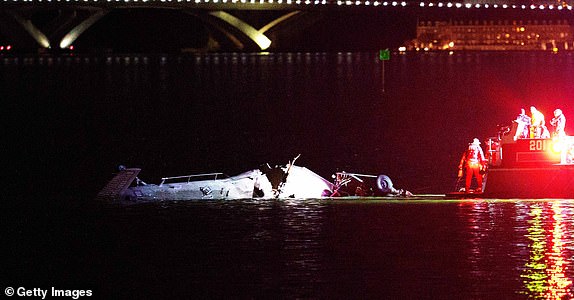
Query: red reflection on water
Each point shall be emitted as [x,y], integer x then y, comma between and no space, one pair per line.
[545,272]
[558,281]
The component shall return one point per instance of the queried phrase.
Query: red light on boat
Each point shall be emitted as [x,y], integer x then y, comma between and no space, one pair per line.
[557,146]
[71,47]
[9,47]
[1,48]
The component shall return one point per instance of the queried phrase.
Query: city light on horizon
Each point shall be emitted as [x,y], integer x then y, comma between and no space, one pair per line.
[422,4]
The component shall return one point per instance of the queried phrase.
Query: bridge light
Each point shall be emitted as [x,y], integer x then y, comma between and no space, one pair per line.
[449,5]
[458,5]
[422,4]
[468,5]
[385,3]
[541,7]
[477,5]
[440,4]
[394,3]
[403,4]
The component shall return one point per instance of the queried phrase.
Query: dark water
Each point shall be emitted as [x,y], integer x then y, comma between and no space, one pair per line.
[70,120]
[361,249]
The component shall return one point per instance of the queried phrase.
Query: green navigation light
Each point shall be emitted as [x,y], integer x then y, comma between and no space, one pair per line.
[385,54]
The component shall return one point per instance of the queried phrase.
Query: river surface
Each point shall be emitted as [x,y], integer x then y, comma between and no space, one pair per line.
[71,119]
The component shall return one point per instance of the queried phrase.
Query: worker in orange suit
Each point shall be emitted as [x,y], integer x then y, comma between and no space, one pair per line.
[473,161]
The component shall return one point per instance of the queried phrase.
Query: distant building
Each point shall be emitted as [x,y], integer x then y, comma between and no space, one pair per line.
[550,35]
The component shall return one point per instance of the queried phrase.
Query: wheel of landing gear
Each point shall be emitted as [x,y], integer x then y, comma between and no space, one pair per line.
[384,184]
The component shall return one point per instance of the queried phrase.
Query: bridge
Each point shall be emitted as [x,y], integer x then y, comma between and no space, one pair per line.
[243,24]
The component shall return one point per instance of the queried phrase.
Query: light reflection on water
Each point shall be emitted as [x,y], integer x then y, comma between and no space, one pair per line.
[545,272]
[501,249]
[540,244]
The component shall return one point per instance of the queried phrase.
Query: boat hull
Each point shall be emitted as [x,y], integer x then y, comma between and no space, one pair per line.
[554,181]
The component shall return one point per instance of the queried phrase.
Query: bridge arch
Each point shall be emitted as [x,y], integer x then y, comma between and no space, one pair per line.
[67,27]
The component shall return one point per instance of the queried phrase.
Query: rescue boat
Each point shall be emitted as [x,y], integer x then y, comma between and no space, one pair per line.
[526,167]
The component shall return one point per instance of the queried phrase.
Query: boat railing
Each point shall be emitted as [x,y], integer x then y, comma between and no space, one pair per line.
[193,177]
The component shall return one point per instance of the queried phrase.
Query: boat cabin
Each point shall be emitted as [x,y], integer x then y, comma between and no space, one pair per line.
[529,168]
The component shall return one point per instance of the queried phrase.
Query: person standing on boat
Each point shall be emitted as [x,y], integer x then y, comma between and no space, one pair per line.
[523,128]
[537,123]
[473,161]
[545,132]
[559,123]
